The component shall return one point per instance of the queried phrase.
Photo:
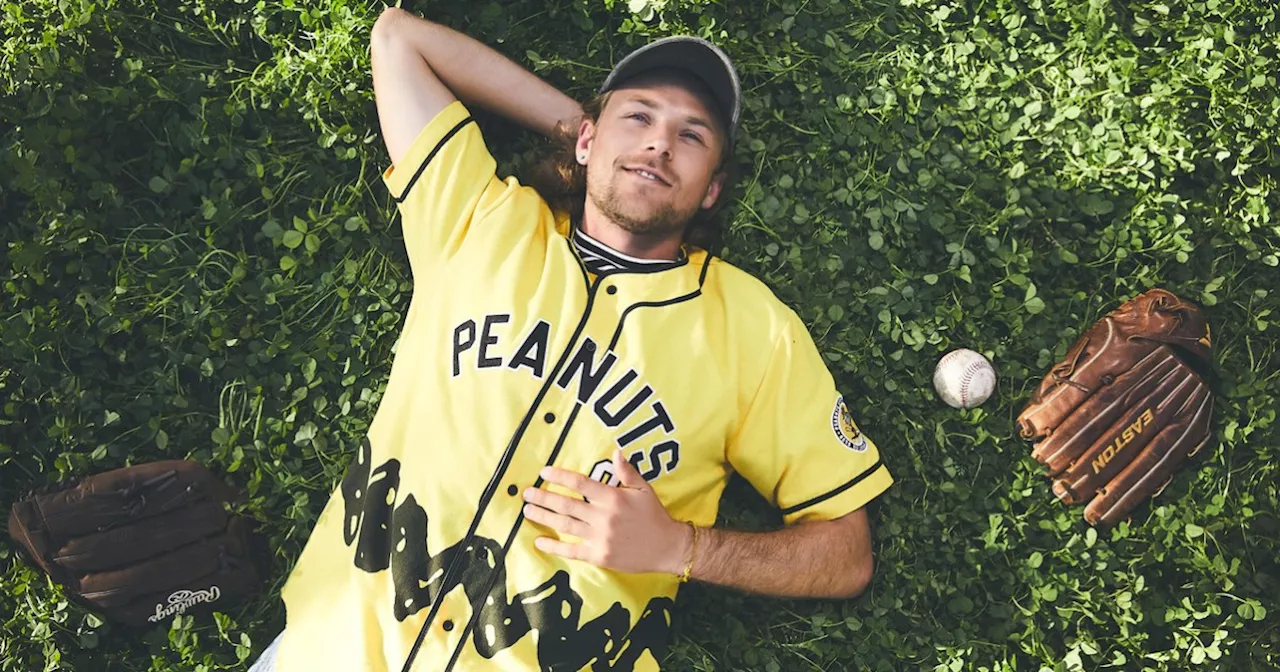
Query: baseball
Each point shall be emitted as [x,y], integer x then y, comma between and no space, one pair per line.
[964,378]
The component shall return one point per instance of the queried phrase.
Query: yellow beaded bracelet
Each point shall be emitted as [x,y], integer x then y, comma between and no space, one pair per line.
[693,553]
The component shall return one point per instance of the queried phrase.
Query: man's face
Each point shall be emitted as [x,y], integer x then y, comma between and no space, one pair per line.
[652,156]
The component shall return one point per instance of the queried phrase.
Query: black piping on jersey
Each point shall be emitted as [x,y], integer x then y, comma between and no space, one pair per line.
[564,434]
[582,265]
[505,462]
[434,150]
[453,563]
[832,493]
[506,546]
[487,495]
[702,277]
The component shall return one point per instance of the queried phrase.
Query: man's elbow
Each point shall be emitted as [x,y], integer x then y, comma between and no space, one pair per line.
[859,577]
[384,26]
[390,22]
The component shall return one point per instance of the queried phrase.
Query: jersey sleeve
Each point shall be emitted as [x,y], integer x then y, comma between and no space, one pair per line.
[798,444]
[442,185]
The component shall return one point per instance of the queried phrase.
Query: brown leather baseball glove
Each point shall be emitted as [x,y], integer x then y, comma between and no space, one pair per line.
[1128,404]
[142,544]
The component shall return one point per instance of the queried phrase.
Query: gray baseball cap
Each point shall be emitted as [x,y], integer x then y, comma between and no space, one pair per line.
[696,56]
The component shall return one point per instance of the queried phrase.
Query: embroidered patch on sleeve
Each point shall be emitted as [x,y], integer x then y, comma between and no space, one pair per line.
[845,428]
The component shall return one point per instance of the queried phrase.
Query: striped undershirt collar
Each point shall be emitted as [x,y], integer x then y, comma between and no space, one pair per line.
[600,258]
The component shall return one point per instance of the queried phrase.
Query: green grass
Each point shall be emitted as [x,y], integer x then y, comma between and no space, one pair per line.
[199,260]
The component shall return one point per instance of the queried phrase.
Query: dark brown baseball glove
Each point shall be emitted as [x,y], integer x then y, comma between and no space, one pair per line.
[142,544]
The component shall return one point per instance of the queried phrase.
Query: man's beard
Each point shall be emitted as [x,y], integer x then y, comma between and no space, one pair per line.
[640,219]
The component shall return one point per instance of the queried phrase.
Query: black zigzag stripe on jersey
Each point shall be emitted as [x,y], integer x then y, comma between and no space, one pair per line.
[426,162]
[597,264]
[505,462]
[594,261]
[600,258]
[397,539]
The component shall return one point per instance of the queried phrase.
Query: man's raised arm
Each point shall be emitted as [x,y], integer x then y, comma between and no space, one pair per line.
[420,67]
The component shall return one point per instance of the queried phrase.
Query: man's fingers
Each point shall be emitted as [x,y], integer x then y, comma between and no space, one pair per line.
[587,487]
[568,506]
[560,548]
[627,474]
[558,522]
[557,503]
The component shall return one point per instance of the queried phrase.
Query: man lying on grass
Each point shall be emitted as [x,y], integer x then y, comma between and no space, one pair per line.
[576,379]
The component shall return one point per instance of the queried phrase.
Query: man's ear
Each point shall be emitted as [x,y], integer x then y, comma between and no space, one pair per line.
[586,135]
[714,189]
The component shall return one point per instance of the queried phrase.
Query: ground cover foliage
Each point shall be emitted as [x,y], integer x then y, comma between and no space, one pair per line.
[199,261]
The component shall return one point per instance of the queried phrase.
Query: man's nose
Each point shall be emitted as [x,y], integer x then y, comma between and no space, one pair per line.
[659,142]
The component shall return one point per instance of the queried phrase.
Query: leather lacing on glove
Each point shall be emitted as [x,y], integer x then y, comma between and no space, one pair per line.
[1063,372]
[134,498]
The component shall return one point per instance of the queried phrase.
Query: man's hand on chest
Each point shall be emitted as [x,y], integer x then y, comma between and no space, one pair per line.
[624,528]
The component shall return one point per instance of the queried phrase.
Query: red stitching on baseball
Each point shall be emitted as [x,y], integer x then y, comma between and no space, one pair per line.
[965,380]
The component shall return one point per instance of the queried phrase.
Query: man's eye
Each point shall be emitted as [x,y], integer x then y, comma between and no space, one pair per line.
[693,136]
[638,116]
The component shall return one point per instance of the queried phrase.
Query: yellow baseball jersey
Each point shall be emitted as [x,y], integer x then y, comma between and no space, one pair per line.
[513,357]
